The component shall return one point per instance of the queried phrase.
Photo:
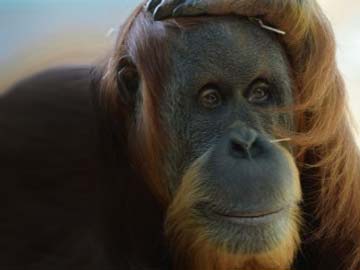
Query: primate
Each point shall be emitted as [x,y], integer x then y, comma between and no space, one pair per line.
[215,136]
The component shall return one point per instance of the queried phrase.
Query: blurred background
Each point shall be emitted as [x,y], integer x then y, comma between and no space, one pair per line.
[36,34]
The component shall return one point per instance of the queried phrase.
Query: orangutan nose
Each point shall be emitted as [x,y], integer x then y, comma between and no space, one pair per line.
[242,142]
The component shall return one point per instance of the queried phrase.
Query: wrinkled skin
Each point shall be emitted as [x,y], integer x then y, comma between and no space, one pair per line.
[235,58]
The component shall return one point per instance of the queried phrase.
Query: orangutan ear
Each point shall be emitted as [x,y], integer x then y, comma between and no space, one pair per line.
[128,81]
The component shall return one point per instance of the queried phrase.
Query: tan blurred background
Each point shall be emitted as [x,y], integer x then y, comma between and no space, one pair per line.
[35,34]
[345,17]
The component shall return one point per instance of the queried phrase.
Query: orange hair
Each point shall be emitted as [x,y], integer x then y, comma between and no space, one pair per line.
[325,134]
[328,157]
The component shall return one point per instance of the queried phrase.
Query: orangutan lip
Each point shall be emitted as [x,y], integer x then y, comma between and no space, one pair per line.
[236,216]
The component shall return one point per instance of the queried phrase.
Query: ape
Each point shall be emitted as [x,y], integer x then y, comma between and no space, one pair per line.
[171,154]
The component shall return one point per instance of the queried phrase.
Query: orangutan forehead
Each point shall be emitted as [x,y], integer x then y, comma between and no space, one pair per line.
[228,46]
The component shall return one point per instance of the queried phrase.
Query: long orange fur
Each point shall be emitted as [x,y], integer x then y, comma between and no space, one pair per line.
[324,138]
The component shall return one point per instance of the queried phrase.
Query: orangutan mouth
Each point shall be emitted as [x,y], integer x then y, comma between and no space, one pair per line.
[253,217]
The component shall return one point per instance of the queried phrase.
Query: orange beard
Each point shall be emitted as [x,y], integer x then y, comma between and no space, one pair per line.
[193,250]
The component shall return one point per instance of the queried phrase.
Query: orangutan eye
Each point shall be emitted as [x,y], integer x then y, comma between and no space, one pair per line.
[259,93]
[210,98]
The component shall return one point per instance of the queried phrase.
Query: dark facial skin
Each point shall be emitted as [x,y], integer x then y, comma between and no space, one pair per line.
[233,56]
[229,74]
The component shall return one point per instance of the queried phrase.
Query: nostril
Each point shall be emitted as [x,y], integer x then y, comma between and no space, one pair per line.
[241,144]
